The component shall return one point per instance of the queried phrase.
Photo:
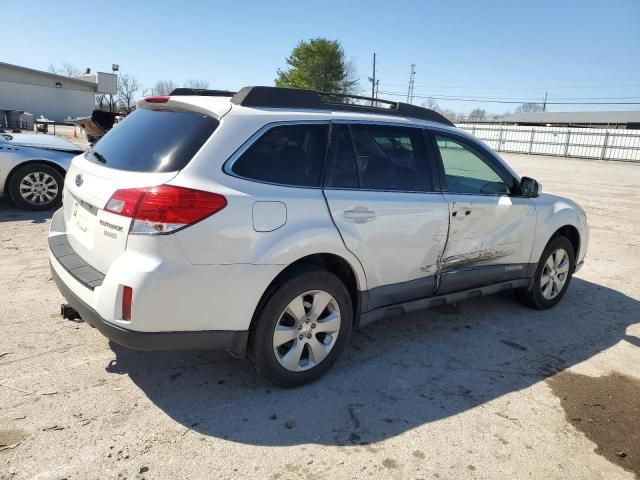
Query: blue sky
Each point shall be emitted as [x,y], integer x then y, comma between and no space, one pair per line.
[513,50]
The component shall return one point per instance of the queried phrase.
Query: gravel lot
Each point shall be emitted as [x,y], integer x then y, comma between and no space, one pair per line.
[467,391]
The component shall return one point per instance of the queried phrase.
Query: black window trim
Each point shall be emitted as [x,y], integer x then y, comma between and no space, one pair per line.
[227,166]
[482,152]
[434,186]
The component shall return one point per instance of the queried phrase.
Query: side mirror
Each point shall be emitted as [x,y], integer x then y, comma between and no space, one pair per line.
[529,187]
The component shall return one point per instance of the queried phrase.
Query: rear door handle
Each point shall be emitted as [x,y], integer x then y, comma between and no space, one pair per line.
[461,213]
[359,215]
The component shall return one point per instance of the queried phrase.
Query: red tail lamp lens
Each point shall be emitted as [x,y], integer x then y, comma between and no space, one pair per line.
[127,300]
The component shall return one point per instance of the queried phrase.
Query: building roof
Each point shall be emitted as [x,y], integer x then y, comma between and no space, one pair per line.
[600,118]
[53,76]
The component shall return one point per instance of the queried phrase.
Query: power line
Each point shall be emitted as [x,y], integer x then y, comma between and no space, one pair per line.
[524,100]
[515,88]
[468,99]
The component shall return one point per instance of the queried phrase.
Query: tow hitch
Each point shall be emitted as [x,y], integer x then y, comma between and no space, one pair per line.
[70,313]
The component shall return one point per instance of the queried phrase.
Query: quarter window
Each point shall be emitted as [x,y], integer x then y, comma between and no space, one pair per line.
[466,171]
[287,154]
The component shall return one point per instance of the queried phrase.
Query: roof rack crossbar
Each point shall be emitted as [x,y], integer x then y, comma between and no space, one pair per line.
[276,97]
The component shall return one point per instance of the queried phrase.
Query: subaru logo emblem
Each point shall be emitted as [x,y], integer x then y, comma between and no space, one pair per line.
[79,179]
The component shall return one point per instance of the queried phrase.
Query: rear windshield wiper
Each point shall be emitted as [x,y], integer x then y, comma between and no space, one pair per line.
[99,156]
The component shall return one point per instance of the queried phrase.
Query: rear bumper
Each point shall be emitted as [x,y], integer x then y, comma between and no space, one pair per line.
[232,341]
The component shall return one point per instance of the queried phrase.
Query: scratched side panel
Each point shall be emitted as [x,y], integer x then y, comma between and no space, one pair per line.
[402,241]
[492,242]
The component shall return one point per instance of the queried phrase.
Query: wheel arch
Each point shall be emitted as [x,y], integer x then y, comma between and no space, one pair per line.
[572,234]
[331,262]
[34,161]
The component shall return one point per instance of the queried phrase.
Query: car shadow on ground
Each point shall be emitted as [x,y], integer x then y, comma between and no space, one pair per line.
[10,213]
[395,375]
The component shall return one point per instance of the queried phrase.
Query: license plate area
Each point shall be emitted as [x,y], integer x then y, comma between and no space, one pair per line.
[83,219]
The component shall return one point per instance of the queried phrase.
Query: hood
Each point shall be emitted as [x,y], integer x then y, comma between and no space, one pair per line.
[40,141]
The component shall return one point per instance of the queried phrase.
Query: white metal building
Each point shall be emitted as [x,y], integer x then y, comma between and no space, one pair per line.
[53,96]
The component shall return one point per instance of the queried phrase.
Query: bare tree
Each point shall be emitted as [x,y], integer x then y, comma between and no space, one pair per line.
[195,83]
[128,88]
[106,102]
[164,87]
[100,101]
[66,69]
[529,107]
[477,115]
[452,116]
[431,104]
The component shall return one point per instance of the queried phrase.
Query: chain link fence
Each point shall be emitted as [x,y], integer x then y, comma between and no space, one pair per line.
[602,144]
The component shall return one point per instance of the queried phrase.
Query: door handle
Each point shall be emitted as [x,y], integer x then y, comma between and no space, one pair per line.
[461,213]
[359,215]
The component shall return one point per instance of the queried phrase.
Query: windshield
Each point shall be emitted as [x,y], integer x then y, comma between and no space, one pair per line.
[153,141]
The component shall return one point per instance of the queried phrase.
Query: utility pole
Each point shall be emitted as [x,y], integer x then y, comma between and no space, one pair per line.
[372,79]
[411,83]
[544,103]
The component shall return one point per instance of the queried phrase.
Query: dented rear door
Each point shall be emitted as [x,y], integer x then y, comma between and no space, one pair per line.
[378,190]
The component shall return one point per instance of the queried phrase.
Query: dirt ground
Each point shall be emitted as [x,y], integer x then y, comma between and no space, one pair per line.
[484,389]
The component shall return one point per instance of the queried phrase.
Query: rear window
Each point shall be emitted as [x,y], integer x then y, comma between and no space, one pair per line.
[153,141]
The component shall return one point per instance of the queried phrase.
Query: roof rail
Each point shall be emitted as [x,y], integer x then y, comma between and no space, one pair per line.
[276,97]
[202,92]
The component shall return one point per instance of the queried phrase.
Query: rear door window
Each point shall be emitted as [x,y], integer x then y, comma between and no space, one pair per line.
[153,141]
[341,163]
[378,157]
[287,155]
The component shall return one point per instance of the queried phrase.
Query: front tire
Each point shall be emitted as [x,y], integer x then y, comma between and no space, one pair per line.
[36,186]
[301,327]
[552,277]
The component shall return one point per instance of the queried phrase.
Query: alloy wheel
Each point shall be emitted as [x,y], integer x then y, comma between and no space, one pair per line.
[38,188]
[306,331]
[554,274]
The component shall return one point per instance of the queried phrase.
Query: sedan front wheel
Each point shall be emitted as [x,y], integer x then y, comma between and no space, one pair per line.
[36,187]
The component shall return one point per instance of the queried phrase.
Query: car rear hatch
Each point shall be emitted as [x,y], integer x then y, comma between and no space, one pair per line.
[145,150]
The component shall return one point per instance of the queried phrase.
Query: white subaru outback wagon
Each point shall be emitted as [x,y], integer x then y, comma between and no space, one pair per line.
[270,222]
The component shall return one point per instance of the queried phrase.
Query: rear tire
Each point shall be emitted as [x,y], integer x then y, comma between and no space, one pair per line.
[552,277]
[301,327]
[36,186]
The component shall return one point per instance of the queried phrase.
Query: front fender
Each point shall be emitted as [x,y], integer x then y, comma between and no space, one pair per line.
[554,212]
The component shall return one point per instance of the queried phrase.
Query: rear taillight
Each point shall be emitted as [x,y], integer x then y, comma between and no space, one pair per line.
[164,208]
[157,99]
[127,299]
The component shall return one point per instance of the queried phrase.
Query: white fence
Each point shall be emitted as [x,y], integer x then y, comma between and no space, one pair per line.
[603,144]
